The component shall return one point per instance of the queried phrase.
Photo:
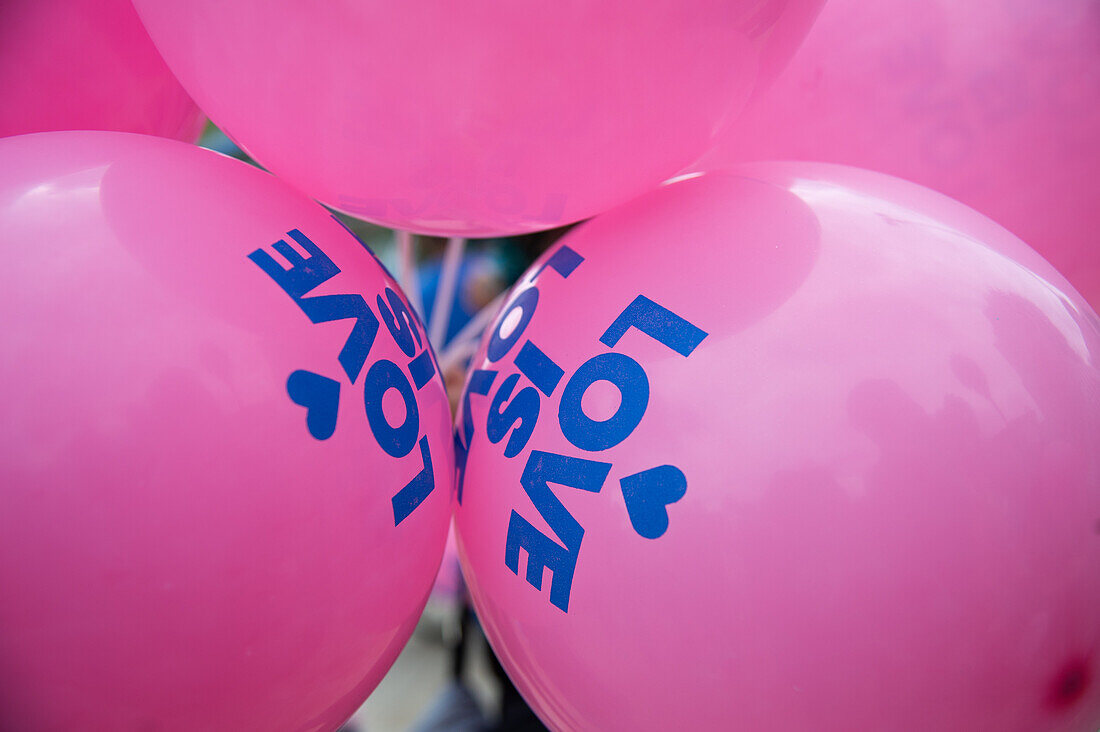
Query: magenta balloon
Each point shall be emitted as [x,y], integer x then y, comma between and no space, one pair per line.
[86,65]
[475,118]
[189,537]
[805,448]
[993,102]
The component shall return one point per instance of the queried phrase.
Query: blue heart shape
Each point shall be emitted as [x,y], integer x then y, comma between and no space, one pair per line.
[320,396]
[647,495]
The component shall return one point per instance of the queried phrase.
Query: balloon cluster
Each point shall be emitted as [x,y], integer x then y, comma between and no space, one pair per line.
[760,445]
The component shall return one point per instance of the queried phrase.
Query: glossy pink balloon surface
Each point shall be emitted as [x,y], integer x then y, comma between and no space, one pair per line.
[481,117]
[994,102]
[86,65]
[809,449]
[216,469]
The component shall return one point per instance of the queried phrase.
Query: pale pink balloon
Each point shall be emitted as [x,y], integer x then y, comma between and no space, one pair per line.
[481,117]
[199,529]
[994,102]
[804,448]
[86,65]
[449,586]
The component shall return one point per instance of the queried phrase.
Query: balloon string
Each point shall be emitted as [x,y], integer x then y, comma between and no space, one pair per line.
[456,354]
[445,293]
[410,282]
[465,342]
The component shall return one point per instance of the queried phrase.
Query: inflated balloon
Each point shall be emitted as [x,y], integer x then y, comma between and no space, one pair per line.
[995,103]
[86,65]
[226,452]
[476,118]
[811,448]
[448,587]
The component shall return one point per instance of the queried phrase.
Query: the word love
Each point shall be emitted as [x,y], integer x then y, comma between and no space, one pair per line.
[301,271]
[517,403]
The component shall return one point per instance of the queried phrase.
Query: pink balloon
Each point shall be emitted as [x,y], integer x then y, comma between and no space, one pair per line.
[87,65]
[476,118]
[993,102]
[449,586]
[190,539]
[802,448]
